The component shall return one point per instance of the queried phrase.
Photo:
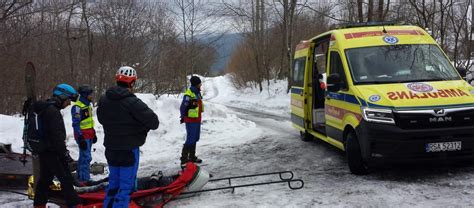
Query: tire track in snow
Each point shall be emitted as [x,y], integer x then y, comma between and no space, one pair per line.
[258,114]
[241,112]
[216,92]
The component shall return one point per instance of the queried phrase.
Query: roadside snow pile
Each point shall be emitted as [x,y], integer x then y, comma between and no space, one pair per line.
[273,99]
[11,131]
[222,129]
[164,145]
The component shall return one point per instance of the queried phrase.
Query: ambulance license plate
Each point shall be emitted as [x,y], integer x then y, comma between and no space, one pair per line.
[443,146]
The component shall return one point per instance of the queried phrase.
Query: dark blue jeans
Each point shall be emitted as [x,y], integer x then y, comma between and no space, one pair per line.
[193,132]
[84,162]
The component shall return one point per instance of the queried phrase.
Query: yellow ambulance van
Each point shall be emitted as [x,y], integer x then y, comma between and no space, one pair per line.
[383,93]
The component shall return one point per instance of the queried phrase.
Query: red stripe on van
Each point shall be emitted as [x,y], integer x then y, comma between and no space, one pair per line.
[380,33]
[339,113]
[302,45]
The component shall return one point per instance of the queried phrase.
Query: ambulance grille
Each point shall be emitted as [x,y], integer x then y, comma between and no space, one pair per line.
[425,120]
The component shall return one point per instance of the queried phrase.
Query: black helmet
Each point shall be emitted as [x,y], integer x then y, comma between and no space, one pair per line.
[195,81]
[85,90]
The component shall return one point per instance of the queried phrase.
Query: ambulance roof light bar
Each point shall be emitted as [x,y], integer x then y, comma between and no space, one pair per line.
[368,24]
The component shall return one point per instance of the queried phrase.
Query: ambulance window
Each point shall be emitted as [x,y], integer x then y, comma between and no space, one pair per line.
[298,71]
[320,55]
[399,64]
[336,67]
[320,63]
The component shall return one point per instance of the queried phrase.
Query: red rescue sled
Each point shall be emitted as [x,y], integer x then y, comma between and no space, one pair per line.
[155,197]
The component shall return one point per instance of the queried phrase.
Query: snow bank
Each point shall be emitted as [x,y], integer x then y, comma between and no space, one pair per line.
[163,146]
[221,128]
[11,131]
[273,99]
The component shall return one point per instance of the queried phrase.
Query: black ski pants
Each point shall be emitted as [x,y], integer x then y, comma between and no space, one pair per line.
[51,165]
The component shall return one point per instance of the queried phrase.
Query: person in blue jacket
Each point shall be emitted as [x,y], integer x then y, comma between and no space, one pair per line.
[84,133]
[191,113]
[126,121]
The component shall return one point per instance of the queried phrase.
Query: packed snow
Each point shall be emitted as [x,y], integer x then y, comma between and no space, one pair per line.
[244,132]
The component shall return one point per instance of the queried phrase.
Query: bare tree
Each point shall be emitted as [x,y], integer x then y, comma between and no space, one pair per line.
[198,19]
[370,11]
[10,8]
[458,17]
[253,26]
[360,11]
[81,42]
[287,18]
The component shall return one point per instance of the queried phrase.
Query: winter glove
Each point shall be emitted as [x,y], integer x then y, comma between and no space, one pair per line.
[69,158]
[94,140]
[181,120]
[193,103]
[82,143]
[65,158]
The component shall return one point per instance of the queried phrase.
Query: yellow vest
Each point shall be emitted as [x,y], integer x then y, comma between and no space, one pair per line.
[86,116]
[193,113]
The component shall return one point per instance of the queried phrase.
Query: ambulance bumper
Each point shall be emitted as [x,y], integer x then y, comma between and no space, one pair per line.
[389,144]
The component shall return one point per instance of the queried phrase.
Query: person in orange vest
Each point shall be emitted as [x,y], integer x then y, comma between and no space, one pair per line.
[83,125]
[191,110]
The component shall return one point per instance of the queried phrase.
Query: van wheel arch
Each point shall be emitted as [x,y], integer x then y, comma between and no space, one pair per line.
[346,131]
[353,152]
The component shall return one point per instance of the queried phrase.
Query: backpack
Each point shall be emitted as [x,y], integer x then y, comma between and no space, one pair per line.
[35,141]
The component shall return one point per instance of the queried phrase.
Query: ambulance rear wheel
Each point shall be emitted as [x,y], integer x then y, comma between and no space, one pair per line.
[305,136]
[357,165]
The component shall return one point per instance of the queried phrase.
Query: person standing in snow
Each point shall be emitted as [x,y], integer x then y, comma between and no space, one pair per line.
[191,110]
[84,132]
[54,161]
[126,121]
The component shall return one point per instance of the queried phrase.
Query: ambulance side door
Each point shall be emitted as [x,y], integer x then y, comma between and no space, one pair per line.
[337,87]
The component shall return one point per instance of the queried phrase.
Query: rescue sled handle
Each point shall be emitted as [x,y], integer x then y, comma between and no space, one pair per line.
[281,173]
[293,184]
[299,181]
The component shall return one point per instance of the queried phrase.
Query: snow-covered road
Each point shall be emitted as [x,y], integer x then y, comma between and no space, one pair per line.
[248,132]
[327,179]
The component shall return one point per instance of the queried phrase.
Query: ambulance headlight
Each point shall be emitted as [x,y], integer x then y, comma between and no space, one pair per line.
[378,115]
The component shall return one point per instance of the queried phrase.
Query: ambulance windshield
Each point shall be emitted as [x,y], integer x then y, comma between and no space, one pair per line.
[399,63]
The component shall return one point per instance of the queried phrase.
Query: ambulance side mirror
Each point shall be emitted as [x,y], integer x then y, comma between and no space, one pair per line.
[462,71]
[334,82]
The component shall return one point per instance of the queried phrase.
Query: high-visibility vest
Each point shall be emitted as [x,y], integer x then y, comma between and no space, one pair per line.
[194,112]
[86,115]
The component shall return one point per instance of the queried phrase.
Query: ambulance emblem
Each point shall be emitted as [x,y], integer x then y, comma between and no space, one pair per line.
[420,87]
[374,98]
[390,39]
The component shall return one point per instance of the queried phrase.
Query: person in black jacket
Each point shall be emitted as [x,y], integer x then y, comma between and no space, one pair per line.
[126,121]
[55,159]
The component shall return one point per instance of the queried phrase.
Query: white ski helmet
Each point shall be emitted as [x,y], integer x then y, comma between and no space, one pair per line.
[126,74]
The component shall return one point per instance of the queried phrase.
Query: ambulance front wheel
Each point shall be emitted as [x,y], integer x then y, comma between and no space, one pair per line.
[305,136]
[357,165]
